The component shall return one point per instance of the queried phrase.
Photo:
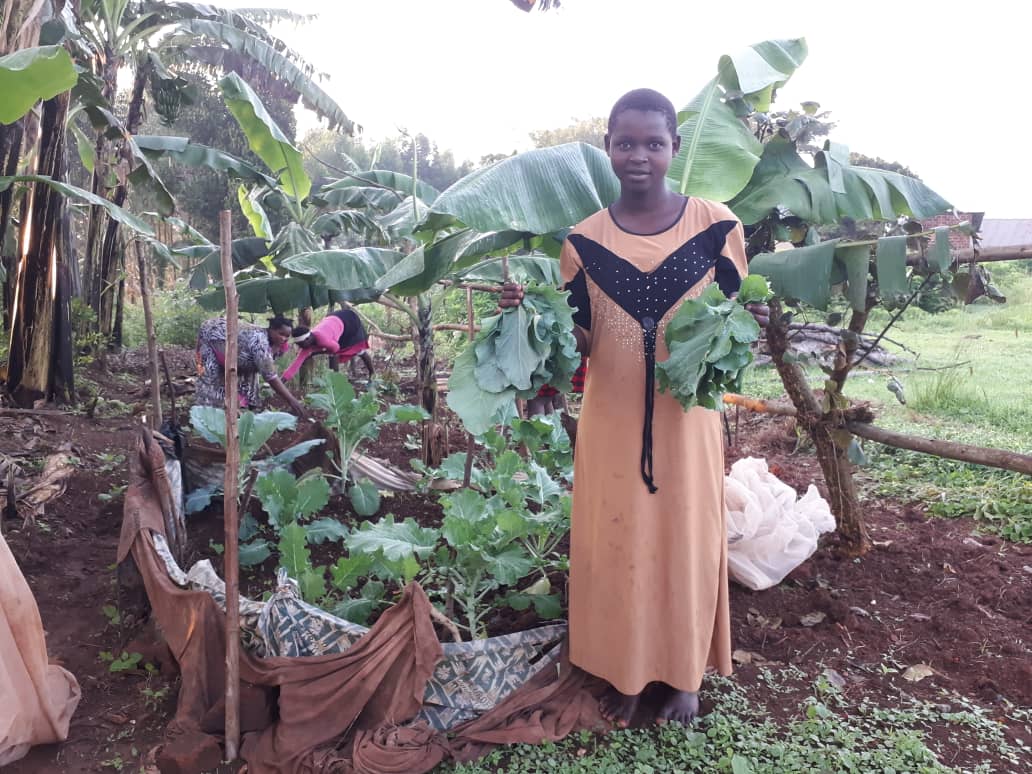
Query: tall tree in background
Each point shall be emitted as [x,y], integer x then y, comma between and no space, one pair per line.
[589,130]
[328,155]
[145,37]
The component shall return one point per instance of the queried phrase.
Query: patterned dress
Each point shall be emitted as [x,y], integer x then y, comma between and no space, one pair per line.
[648,553]
[254,357]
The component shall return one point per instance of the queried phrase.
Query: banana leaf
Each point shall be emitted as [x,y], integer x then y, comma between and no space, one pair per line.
[539,191]
[30,75]
[264,136]
[718,152]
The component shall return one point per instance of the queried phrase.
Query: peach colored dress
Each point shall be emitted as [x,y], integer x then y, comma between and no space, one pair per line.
[648,569]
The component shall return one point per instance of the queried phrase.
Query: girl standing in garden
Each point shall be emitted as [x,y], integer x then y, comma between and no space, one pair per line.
[648,592]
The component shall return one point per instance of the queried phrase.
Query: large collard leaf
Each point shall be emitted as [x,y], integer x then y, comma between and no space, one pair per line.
[539,191]
[477,407]
[254,430]
[802,274]
[293,550]
[514,355]
[718,152]
[708,340]
[32,74]
[395,541]
[116,213]
[191,154]
[230,41]
[365,498]
[352,418]
[264,136]
[326,529]
[286,498]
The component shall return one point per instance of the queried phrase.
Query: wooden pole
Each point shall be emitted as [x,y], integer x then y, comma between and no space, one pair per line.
[171,387]
[152,339]
[231,566]
[994,458]
[467,472]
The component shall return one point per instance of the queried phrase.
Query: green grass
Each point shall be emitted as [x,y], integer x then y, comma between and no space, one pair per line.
[967,383]
[821,731]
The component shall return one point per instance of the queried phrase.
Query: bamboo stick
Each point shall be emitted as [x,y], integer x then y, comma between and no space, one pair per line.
[229,500]
[152,339]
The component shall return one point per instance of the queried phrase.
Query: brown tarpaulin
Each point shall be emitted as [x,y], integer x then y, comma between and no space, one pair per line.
[336,713]
[37,698]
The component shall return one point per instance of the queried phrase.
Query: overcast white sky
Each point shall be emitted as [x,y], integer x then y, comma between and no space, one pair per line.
[943,91]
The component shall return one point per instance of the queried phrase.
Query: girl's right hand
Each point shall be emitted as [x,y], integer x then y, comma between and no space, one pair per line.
[512,295]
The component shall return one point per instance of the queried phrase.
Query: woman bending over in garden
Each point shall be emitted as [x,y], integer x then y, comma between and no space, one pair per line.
[340,334]
[257,350]
[648,546]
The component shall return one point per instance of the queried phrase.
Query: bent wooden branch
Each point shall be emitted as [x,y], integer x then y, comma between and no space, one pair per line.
[979,455]
[994,458]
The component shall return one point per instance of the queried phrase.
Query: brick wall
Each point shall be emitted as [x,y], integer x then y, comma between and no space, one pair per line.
[958,240]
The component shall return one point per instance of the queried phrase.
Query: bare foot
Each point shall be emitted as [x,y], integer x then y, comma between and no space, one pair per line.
[618,708]
[682,707]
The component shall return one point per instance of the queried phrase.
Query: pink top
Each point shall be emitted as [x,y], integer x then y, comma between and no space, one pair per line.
[326,334]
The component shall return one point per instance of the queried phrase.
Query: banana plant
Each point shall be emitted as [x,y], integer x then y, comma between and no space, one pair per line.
[153,38]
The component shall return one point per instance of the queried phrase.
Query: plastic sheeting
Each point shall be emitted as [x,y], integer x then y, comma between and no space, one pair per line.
[770,531]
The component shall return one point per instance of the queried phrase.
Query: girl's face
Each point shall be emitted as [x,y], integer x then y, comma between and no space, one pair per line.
[640,149]
[278,337]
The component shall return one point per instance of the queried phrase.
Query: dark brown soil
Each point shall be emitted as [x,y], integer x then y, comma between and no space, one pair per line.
[931,592]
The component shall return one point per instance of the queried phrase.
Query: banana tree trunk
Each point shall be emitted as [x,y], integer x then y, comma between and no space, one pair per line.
[109,259]
[825,424]
[36,349]
[10,152]
[426,368]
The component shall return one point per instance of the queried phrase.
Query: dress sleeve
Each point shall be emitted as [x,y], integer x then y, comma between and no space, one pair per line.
[732,264]
[263,357]
[293,368]
[575,280]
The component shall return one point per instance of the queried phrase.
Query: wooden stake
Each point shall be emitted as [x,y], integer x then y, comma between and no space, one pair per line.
[152,339]
[229,500]
[171,387]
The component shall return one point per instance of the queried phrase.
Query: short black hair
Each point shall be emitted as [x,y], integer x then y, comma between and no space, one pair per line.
[280,322]
[299,331]
[645,100]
